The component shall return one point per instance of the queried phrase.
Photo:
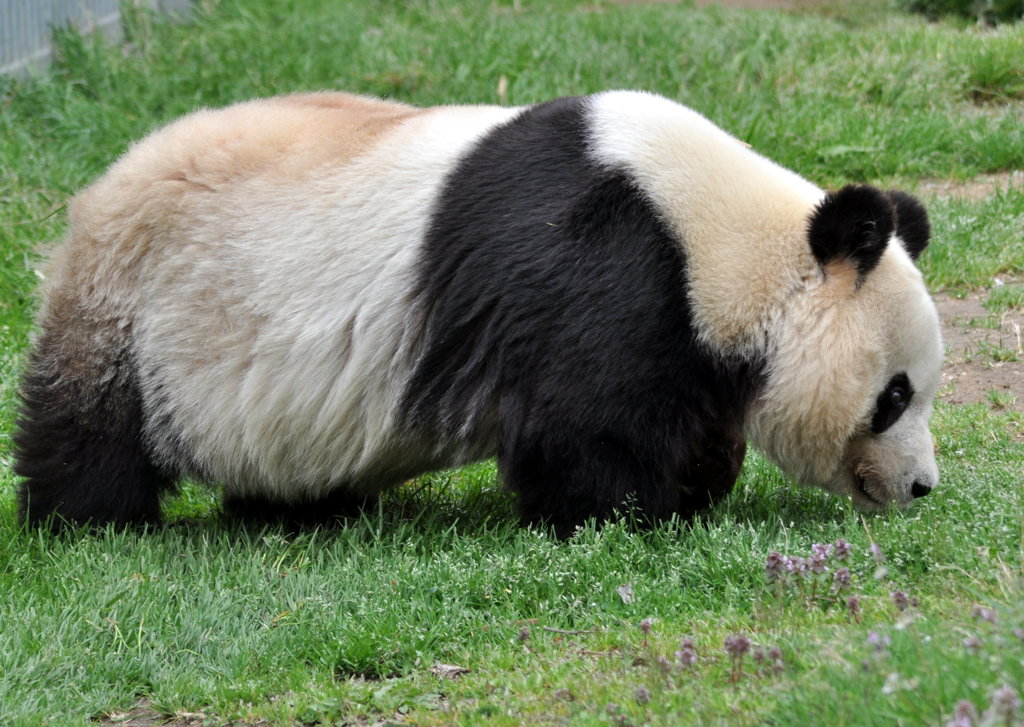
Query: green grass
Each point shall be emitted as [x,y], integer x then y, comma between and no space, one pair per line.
[345,624]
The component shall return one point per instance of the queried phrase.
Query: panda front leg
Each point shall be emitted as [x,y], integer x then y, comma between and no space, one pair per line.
[563,480]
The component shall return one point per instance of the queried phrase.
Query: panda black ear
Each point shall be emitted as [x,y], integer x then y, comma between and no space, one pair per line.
[853,226]
[912,224]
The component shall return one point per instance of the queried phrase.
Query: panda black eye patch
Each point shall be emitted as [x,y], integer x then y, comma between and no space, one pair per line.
[891,403]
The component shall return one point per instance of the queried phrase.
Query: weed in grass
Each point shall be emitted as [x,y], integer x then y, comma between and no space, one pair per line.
[1003,297]
[993,72]
[1001,399]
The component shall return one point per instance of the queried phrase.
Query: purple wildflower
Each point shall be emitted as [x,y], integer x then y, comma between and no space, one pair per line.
[687,654]
[964,713]
[818,563]
[986,615]
[1005,705]
[853,606]
[797,566]
[642,694]
[775,654]
[737,645]
[841,580]
[972,643]
[880,642]
[645,625]
[841,550]
[822,550]
[774,567]
[900,600]
[524,633]
[663,664]
[876,553]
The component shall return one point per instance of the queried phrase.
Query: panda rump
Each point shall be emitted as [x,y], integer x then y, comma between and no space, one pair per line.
[312,298]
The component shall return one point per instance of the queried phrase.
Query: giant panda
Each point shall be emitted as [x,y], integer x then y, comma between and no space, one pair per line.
[309,299]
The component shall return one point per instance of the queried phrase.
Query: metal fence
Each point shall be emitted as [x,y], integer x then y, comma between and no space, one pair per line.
[26,25]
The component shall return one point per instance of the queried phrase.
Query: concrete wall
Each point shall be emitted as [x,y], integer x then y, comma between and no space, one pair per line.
[25,25]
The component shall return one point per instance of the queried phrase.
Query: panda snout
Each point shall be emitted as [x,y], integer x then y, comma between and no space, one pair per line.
[920,489]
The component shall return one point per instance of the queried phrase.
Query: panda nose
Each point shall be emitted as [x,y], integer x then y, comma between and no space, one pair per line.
[919,489]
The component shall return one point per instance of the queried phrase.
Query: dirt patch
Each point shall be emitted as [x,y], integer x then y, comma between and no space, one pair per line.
[984,354]
[143,715]
[973,189]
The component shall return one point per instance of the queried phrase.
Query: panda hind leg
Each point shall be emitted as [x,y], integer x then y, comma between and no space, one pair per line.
[79,441]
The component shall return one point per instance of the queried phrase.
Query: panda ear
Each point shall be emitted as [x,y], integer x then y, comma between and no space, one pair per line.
[851,227]
[912,226]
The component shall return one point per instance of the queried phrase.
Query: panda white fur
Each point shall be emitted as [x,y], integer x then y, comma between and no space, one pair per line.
[311,298]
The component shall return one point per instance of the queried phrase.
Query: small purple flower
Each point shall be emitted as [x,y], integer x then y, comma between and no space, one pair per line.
[663,664]
[642,694]
[687,654]
[774,566]
[841,550]
[876,553]
[986,615]
[758,655]
[822,550]
[853,606]
[965,713]
[900,600]
[972,643]
[818,563]
[797,566]
[737,645]
[1005,705]
[524,634]
[841,580]
[880,642]
[645,625]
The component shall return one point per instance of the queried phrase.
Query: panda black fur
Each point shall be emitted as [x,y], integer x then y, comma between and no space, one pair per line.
[309,299]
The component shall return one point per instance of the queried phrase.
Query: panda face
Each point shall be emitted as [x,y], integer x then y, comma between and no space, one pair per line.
[891,458]
[849,395]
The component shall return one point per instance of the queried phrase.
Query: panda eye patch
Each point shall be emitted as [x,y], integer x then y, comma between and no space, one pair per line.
[891,403]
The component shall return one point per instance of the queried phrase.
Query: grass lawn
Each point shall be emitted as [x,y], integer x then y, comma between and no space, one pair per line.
[205,623]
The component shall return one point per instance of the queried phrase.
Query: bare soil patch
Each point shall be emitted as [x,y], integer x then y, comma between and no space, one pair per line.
[984,353]
[973,189]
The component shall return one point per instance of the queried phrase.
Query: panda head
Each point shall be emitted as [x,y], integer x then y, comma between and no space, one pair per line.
[855,357]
